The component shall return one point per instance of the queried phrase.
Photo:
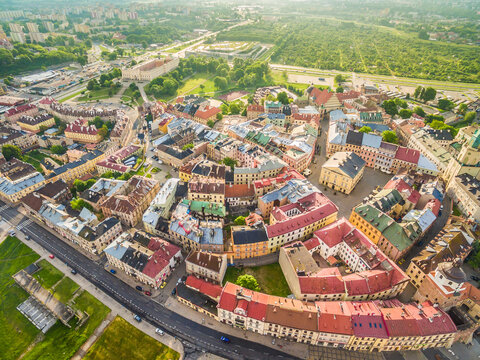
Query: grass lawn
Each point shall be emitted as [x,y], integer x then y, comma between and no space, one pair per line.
[121,340]
[270,278]
[99,94]
[65,289]
[16,332]
[70,96]
[48,275]
[35,163]
[60,342]
[192,85]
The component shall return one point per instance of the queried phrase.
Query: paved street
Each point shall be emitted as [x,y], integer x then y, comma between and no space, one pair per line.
[193,335]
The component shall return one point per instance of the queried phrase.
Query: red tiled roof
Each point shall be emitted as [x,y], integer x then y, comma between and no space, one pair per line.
[212,290]
[334,317]
[255,108]
[352,94]
[256,308]
[207,113]
[79,127]
[279,179]
[434,321]
[326,282]
[400,322]
[321,96]
[434,205]
[19,109]
[47,101]
[239,190]
[407,155]
[367,320]
[163,253]
[311,243]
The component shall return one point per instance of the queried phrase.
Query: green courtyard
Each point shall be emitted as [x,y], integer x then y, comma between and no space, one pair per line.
[270,278]
[21,339]
[120,340]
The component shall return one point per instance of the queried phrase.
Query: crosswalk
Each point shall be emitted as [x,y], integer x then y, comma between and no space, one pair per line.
[24,224]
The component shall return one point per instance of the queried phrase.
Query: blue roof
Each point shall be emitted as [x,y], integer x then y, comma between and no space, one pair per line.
[10,188]
[371,140]
[424,163]
[425,218]
[336,115]
[376,127]
[208,236]
[87,157]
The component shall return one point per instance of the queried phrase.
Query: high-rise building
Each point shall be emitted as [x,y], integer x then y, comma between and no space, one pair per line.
[37,37]
[18,37]
[49,26]
[32,28]
[15,27]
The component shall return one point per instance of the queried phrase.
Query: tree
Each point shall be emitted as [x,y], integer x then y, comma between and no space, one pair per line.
[400,103]
[417,92]
[234,109]
[219,116]
[390,107]
[365,129]
[405,113]
[470,116]
[187,146]
[224,108]
[419,111]
[103,131]
[79,204]
[11,151]
[462,108]
[211,123]
[220,82]
[283,98]
[429,94]
[228,161]
[58,149]
[240,220]
[248,282]
[390,137]
[445,104]
[339,79]
[422,34]
[339,89]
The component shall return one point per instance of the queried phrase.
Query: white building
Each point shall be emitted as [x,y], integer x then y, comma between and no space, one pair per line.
[151,69]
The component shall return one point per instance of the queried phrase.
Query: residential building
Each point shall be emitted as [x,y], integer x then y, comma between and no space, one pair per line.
[211,191]
[80,131]
[24,140]
[18,179]
[37,123]
[325,100]
[148,260]
[194,234]
[249,242]
[464,191]
[76,169]
[298,220]
[208,266]
[160,206]
[371,274]
[254,110]
[342,172]
[121,161]
[17,112]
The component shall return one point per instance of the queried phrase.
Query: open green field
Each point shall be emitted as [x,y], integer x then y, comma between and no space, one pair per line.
[70,96]
[120,340]
[65,289]
[99,94]
[192,85]
[48,275]
[270,278]
[17,334]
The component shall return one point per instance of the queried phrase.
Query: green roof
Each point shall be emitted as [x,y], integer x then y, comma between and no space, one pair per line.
[390,229]
[205,207]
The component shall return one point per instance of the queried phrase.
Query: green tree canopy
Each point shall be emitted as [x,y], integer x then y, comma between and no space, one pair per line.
[365,129]
[187,146]
[419,111]
[429,94]
[240,220]
[228,161]
[211,123]
[339,89]
[390,107]
[446,104]
[470,116]
[283,98]
[390,137]
[11,151]
[248,281]
[405,113]
[58,149]
[219,116]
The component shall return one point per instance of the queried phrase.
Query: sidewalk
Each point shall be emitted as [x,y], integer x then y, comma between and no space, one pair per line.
[293,348]
[116,308]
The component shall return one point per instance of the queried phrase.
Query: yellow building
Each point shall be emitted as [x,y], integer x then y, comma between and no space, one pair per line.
[342,171]
[36,123]
[81,132]
[248,242]
[74,170]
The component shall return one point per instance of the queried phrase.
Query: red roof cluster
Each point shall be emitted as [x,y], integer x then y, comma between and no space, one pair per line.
[19,109]
[321,96]
[207,112]
[255,108]
[239,191]
[349,95]
[80,126]
[285,176]
[163,253]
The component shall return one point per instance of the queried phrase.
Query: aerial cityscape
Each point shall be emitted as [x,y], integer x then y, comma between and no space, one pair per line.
[240,180]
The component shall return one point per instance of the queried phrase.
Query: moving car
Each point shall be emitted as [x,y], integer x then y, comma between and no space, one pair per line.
[225,339]
[159,331]
[113,271]
[139,288]
[138,318]
[51,256]
[163,285]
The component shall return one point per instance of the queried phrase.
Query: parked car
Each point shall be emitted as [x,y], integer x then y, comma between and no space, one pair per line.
[51,256]
[475,278]
[113,271]
[73,271]
[163,285]
[225,339]
[12,233]
[148,293]
[159,331]
[174,291]
[139,288]
[27,237]
[138,318]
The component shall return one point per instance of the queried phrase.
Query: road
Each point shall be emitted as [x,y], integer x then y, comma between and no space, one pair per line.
[193,334]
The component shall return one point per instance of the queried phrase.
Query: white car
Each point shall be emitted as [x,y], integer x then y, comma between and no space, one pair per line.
[159,332]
